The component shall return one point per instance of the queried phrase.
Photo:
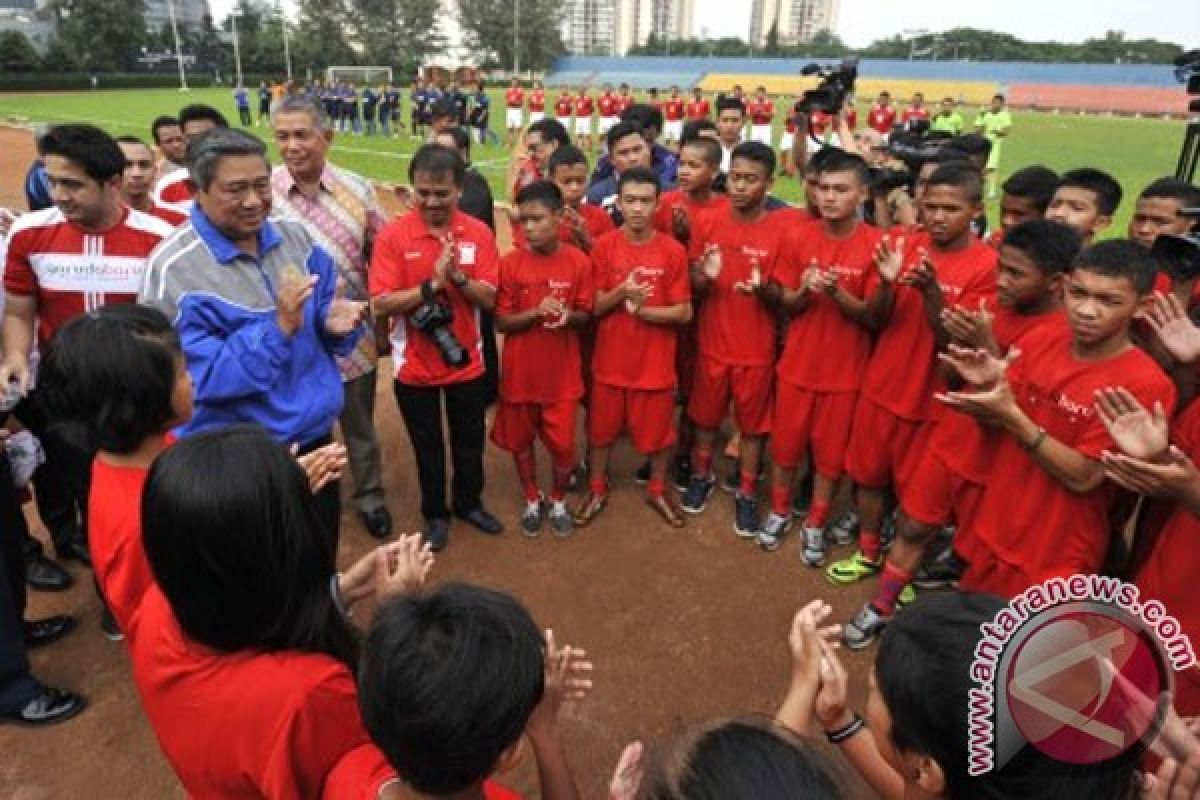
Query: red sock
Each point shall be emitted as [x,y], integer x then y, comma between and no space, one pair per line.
[656,487]
[749,483]
[818,515]
[870,543]
[598,486]
[527,473]
[781,500]
[702,458]
[891,582]
[562,479]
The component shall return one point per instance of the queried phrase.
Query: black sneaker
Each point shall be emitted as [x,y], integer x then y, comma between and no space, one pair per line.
[642,476]
[732,482]
[845,529]
[745,516]
[699,489]
[683,472]
[532,518]
[578,479]
[561,523]
[939,573]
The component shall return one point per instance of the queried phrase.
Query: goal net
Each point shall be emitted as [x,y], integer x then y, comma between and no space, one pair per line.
[359,76]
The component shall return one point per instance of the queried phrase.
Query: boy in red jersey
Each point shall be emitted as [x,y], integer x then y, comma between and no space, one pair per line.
[761,111]
[537,103]
[584,106]
[917,112]
[673,114]
[1024,196]
[545,296]
[563,108]
[580,223]
[735,253]
[699,165]
[882,115]
[949,479]
[697,107]
[642,298]
[1085,199]
[625,98]
[943,268]
[514,111]
[1044,511]
[137,180]
[608,105]
[828,342]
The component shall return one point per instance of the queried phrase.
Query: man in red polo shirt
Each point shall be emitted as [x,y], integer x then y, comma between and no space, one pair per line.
[537,103]
[584,106]
[917,112]
[563,108]
[673,114]
[514,113]
[882,115]
[610,111]
[697,107]
[761,110]
[433,269]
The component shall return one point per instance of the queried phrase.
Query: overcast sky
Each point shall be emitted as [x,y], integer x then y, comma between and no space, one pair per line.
[863,21]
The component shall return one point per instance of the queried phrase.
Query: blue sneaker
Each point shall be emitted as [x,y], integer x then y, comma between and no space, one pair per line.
[698,491]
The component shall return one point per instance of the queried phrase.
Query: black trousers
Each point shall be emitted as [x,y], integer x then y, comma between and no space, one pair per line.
[17,685]
[491,357]
[421,408]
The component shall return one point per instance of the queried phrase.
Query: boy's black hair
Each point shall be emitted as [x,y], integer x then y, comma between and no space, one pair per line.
[1106,188]
[643,175]
[757,152]
[197,111]
[85,146]
[619,131]
[648,117]
[108,376]
[819,158]
[436,159]
[544,192]
[961,175]
[694,127]
[161,122]
[1188,194]
[1120,258]
[972,144]
[730,103]
[1052,246]
[1035,183]
[444,108]
[551,130]
[448,680]
[462,139]
[709,147]
[565,156]
[842,161]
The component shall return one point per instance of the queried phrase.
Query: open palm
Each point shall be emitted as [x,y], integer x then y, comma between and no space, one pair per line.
[1138,433]
[344,316]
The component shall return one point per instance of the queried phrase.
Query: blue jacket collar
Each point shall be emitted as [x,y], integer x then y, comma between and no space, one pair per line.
[223,250]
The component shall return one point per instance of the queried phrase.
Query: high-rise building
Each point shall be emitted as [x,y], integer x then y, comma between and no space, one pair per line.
[612,27]
[189,14]
[589,26]
[796,21]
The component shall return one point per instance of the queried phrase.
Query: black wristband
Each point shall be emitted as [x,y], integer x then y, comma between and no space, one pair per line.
[427,290]
[847,731]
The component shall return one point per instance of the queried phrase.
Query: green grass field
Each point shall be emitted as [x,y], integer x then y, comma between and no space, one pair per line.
[1134,150]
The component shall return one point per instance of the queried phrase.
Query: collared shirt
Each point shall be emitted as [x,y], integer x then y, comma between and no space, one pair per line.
[344,218]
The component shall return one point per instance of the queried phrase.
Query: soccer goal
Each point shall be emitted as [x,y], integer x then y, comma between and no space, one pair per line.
[359,76]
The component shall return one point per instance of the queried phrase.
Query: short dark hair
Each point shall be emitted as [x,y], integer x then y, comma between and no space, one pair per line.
[199,111]
[728,103]
[108,376]
[1052,246]
[565,156]
[436,159]
[551,130]
[1035,183]
[642,175]
[1188,194]
[743,757]
[85,146]
[235,542]
[847,162]
[622,129]
[960,175]
[1120,258]
[1106,188]
[448,680]
[755,152]
[709,147]
[545,192]
[644,115]
[161,122]
[694,127]
[973,144]
[818,160]
[444,108]
[462,139]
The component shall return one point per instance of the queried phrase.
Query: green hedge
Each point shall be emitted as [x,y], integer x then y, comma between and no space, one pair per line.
[45,81]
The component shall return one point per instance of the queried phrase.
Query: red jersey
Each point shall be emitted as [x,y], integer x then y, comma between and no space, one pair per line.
[631,353]
[912,112]
[608,103]
[170,216]
[404,255]
[664,216]
[595,219]
[174,190]
[363,772]
[624,101]
[584,106]
[537,100]
[563,106]
[761,111]
[819,123]
[69,271]
[902,374]
[514,97]
[115,537]
[1027,520]
[673,109]
[697,109]
[881,118]
[283,720]
[824,350]
[733,327]
[526,279]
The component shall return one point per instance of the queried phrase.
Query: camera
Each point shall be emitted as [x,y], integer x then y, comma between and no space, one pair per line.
[433,318]
[913,148]
[1180,254]
[835,84]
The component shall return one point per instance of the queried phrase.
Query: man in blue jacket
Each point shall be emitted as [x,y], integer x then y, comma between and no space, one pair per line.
[256,304]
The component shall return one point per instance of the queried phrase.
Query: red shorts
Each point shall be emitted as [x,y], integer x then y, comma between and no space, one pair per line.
[648,415]
[518,424]
[935,495]
[883,448]
[715,384]
[805,418]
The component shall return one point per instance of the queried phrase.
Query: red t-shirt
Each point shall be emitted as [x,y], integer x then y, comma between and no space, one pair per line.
[563,106]
[115,537]
[624,101]
[673,108]
[363,773]
[404,255]
[733,327]
[1027,519]
[881,118]
[912,112]
[608,104]
[514,98]
[824,350]
[819,122]
[69,271]
[170,216]
[664,217]
[697,109]
[595,219]
[537,100]
[541,365]
[244,724]
[631,353]
[584,106]
[761,111]
[174,189]
[902,374]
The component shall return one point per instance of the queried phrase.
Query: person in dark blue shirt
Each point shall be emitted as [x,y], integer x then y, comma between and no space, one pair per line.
[481,114]
[264,102]
[664,163]
[418,108]
[370,101]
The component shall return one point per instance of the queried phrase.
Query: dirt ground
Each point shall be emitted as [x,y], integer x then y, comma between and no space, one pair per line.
[683,626]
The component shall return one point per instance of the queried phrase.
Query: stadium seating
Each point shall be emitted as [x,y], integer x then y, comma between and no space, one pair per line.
[1117,99]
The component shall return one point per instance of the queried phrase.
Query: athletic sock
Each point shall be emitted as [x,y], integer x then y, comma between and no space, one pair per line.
[527,473]
[702,458]
[656,487]
[562,480]
[598,486]
[749,483]
[892,581]
[781,500]
[818,515]
[870,543]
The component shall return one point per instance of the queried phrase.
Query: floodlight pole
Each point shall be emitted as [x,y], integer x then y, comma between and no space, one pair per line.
[517,37]
[237,52]
[183,87]
[287,51]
